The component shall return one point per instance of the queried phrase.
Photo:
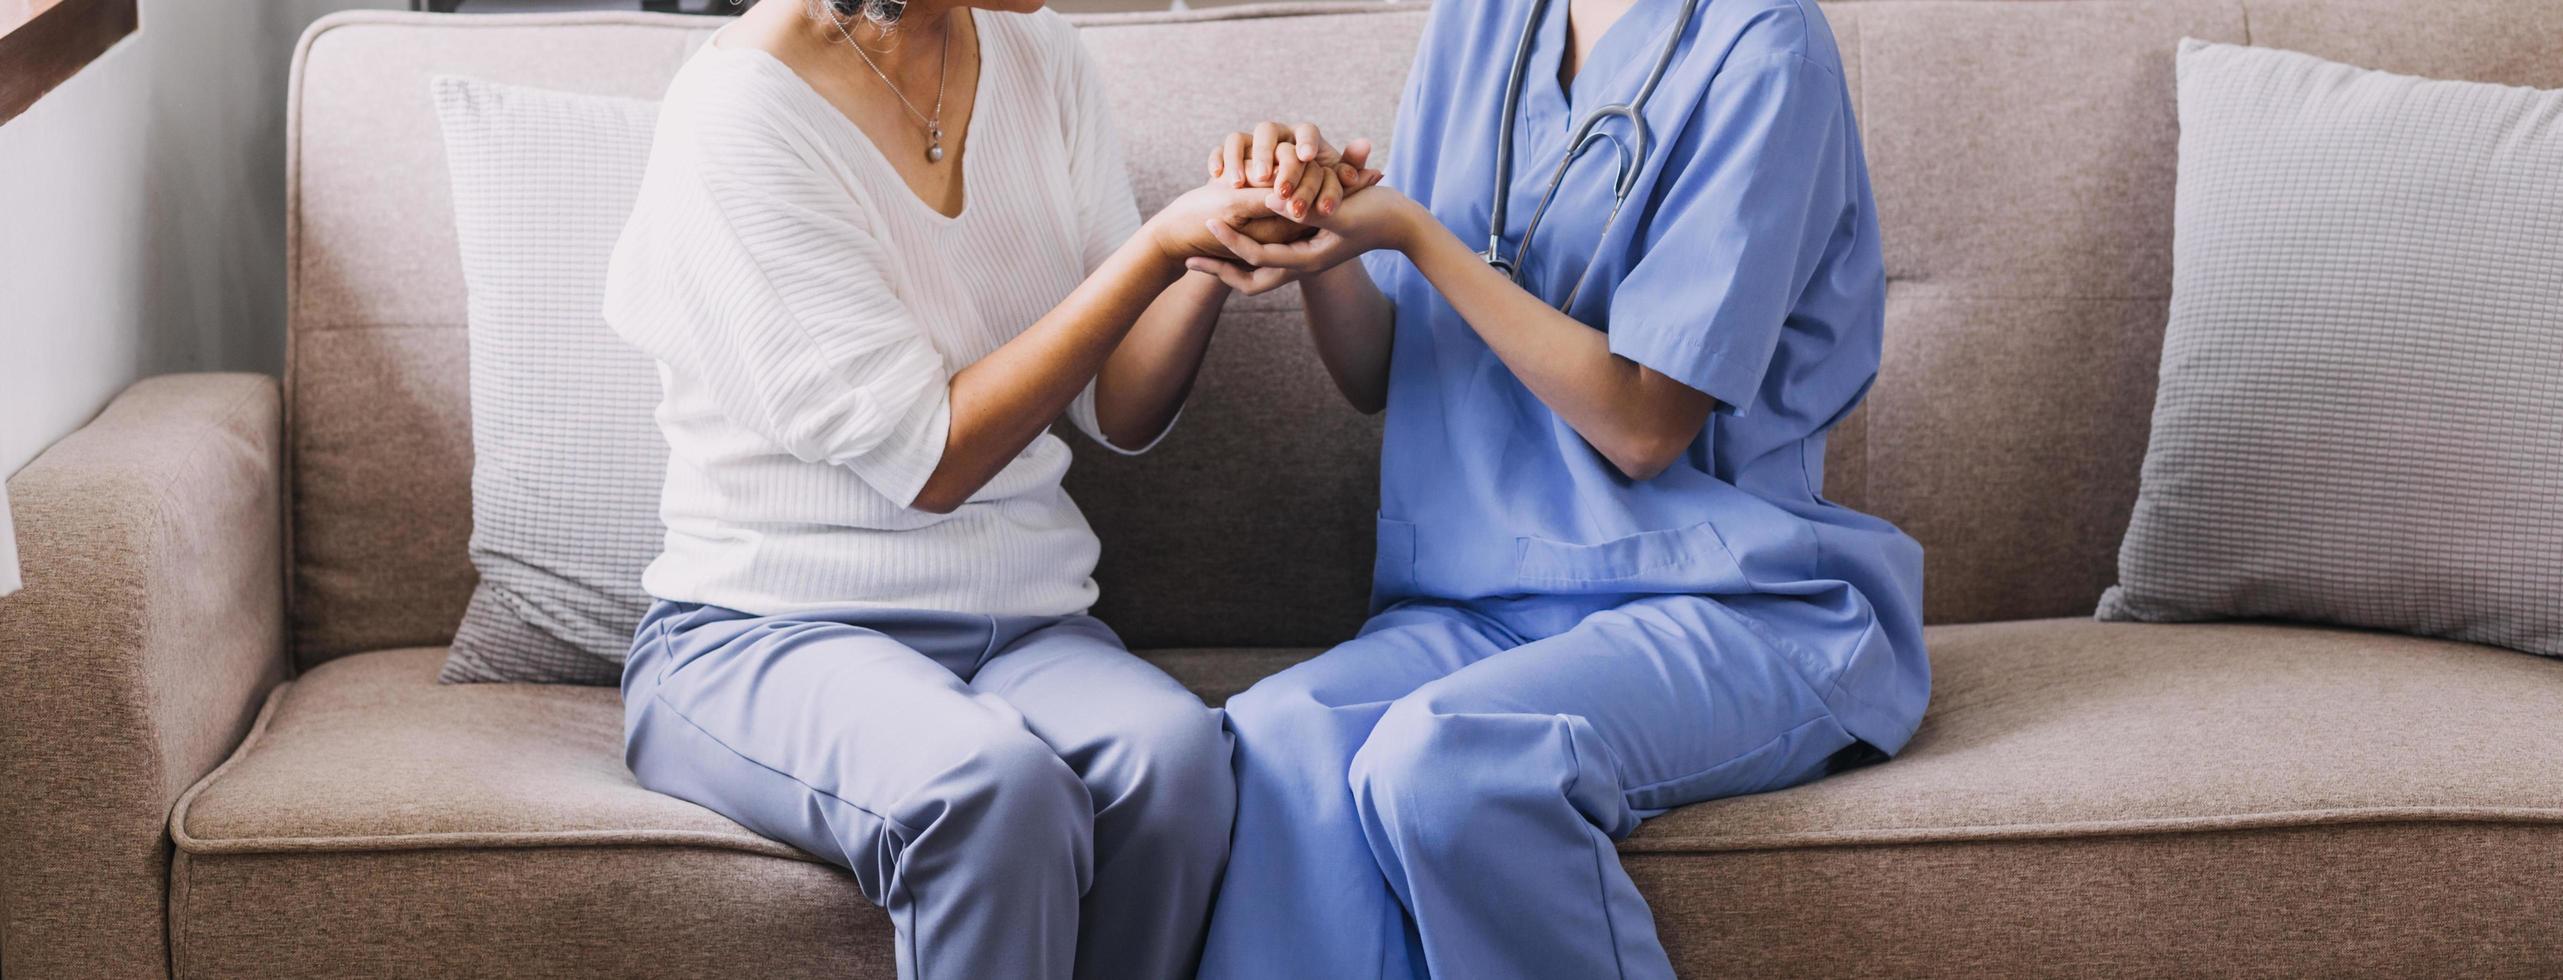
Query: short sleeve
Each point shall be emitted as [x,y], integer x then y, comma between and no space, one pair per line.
[748,273]
[1741,229]
[1081,413]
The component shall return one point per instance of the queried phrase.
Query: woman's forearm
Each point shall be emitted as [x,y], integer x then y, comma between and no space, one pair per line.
[1353,326]
[1003,401]
[1637,418]
[1145,381]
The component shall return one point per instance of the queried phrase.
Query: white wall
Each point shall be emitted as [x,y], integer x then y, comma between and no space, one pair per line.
[142,214]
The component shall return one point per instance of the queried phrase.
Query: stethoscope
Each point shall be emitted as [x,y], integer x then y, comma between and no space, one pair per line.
[1587,131]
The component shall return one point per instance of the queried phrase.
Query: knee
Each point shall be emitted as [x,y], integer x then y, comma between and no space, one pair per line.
[1278,707]
[1404,763]
[1166,773]
[1426,771]
[1009,791]
[1002,812]
[1175,753]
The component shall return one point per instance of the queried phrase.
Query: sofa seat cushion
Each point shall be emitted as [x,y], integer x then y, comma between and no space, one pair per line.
[2130,800]
[2380,801]
[491,830]
[2070,727]
[370,754]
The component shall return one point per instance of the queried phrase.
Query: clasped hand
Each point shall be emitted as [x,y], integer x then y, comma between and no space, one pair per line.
[1283,203]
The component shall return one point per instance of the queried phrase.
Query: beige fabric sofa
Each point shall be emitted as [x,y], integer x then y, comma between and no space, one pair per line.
[2084,799]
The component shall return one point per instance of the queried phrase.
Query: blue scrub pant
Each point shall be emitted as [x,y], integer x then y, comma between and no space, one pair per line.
[1440,796]
[1025,797]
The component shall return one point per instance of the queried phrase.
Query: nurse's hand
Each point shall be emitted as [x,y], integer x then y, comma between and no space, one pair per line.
[1380,217]
[1253,280]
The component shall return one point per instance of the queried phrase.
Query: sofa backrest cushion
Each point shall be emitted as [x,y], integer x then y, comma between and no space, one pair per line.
[2023,155]
[378,405]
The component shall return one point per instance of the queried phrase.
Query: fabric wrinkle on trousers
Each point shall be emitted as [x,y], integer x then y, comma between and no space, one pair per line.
[1025,797]
[1441,795]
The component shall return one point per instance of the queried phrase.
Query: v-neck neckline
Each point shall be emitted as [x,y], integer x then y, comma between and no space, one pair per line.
[846,124]
[1556,41]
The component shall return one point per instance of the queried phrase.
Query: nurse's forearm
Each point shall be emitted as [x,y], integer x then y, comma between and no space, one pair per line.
[1001,402]
[1637,418]
[1353,325]
[1146,380]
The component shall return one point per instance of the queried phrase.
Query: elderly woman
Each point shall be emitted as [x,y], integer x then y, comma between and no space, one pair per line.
[881,247]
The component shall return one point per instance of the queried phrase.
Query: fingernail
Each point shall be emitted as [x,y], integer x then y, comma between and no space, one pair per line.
[1283,189]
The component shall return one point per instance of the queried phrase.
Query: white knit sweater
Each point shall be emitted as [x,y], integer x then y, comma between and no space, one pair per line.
[807,311]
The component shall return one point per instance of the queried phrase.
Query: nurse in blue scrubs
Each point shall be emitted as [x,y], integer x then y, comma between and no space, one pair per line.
[1608,581]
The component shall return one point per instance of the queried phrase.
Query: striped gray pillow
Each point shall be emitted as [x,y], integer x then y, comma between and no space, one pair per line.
[2360,418]
[568,461]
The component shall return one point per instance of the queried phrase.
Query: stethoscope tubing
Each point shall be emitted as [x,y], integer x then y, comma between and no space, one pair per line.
[1631,159]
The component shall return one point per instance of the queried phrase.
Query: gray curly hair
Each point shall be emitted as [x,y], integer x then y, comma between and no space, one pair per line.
[882,13]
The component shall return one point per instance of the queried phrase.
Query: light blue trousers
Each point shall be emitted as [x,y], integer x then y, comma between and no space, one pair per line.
[1027,799]
[1440,796]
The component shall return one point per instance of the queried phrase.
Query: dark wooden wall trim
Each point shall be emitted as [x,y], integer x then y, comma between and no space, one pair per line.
[39,54]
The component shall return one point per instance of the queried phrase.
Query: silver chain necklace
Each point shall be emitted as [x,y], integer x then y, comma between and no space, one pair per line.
[943,73]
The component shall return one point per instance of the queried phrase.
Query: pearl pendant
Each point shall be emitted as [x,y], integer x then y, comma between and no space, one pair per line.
[934,145]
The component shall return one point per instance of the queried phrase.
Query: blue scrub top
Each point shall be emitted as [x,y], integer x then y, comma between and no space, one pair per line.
[1745,264]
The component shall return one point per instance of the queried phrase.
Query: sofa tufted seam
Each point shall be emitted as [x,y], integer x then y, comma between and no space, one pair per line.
[1903,835]
[2096,829]
[496,841]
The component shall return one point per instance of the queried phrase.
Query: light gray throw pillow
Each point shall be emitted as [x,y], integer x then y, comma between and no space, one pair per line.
[568,461]
[2360,419]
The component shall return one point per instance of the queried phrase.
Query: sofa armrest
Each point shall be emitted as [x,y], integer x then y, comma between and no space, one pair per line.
[151,625]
